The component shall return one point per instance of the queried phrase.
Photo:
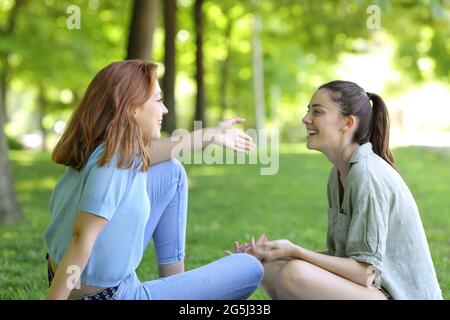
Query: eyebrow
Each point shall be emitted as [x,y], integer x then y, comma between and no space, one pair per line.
[316,105]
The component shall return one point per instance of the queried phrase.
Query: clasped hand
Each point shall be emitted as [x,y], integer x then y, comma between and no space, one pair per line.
[265,250]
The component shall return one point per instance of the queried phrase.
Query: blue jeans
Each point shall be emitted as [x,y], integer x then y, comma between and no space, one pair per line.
[230,278]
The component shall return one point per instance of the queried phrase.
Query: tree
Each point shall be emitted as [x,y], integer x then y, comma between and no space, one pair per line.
[7,32]
[10,210]
[48,72]
[42,111]
[258,74]
[68,63]
[170,8]
[143,23]
[225,64]
[225,70]
[199,74]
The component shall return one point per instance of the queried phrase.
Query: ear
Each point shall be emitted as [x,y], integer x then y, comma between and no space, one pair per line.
[136,112]
[349,123]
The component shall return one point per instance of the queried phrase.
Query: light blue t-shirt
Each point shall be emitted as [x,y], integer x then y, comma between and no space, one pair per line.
[118,195]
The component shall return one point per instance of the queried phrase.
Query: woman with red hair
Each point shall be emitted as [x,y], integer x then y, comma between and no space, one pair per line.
[122,188]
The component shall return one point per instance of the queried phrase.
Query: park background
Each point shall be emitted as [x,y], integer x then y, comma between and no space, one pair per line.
[258,59]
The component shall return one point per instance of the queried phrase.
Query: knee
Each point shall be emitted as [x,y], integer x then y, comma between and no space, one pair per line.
[251,266]
[176,166]
[180,170]
[173,168]
[271,270]
[295,272]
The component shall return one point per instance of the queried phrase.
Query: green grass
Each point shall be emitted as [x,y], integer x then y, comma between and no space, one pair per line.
[227,203]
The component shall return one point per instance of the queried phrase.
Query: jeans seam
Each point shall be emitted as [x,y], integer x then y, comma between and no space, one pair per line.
[180,253]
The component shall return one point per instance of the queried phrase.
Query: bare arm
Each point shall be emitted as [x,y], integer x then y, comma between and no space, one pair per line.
[348,268]
[222,135]
[85,232]
[174,147]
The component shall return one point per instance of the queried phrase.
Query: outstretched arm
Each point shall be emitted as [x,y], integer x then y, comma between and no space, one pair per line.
[224,134]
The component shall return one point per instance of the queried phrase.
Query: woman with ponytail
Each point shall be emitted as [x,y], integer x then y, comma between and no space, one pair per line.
[377,248]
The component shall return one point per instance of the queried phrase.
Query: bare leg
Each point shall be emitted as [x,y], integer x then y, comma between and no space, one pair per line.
[300,280]
[271,271]
[167,270]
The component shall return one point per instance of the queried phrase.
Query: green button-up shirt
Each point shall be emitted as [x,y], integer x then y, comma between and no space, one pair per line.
[378,223]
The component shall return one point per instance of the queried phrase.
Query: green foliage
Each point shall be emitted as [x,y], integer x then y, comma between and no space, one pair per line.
[47,58]
[13,144]
[423,33]
[227,203]
[302,44]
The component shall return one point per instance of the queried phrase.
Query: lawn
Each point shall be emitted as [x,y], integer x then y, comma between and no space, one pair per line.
[227,203]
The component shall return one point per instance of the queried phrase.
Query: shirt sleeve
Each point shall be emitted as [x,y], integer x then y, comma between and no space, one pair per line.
[104,189]
[366,240]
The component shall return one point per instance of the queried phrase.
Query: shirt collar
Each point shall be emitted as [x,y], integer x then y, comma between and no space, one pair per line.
[361,153]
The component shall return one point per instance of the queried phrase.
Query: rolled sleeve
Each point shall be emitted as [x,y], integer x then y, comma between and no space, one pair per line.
[366,240]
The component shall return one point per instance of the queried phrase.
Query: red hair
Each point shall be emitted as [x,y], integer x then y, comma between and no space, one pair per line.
[106,115]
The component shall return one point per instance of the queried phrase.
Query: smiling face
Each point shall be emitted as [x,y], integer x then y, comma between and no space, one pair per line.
[324,123]
[149,116]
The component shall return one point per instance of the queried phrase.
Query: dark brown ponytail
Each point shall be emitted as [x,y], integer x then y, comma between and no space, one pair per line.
[380,128]
[373,120]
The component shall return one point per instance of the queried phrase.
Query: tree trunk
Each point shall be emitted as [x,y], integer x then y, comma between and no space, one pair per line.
[225,70]
[200,102]
[3,78]
[143,23]
[170,9]
[42,109]
[258,74]
[4,65]
[10,210]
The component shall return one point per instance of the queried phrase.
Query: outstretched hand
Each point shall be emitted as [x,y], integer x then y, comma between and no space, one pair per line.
[233,138]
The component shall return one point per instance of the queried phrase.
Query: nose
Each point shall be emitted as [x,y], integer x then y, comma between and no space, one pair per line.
[306,119]
[164,110]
